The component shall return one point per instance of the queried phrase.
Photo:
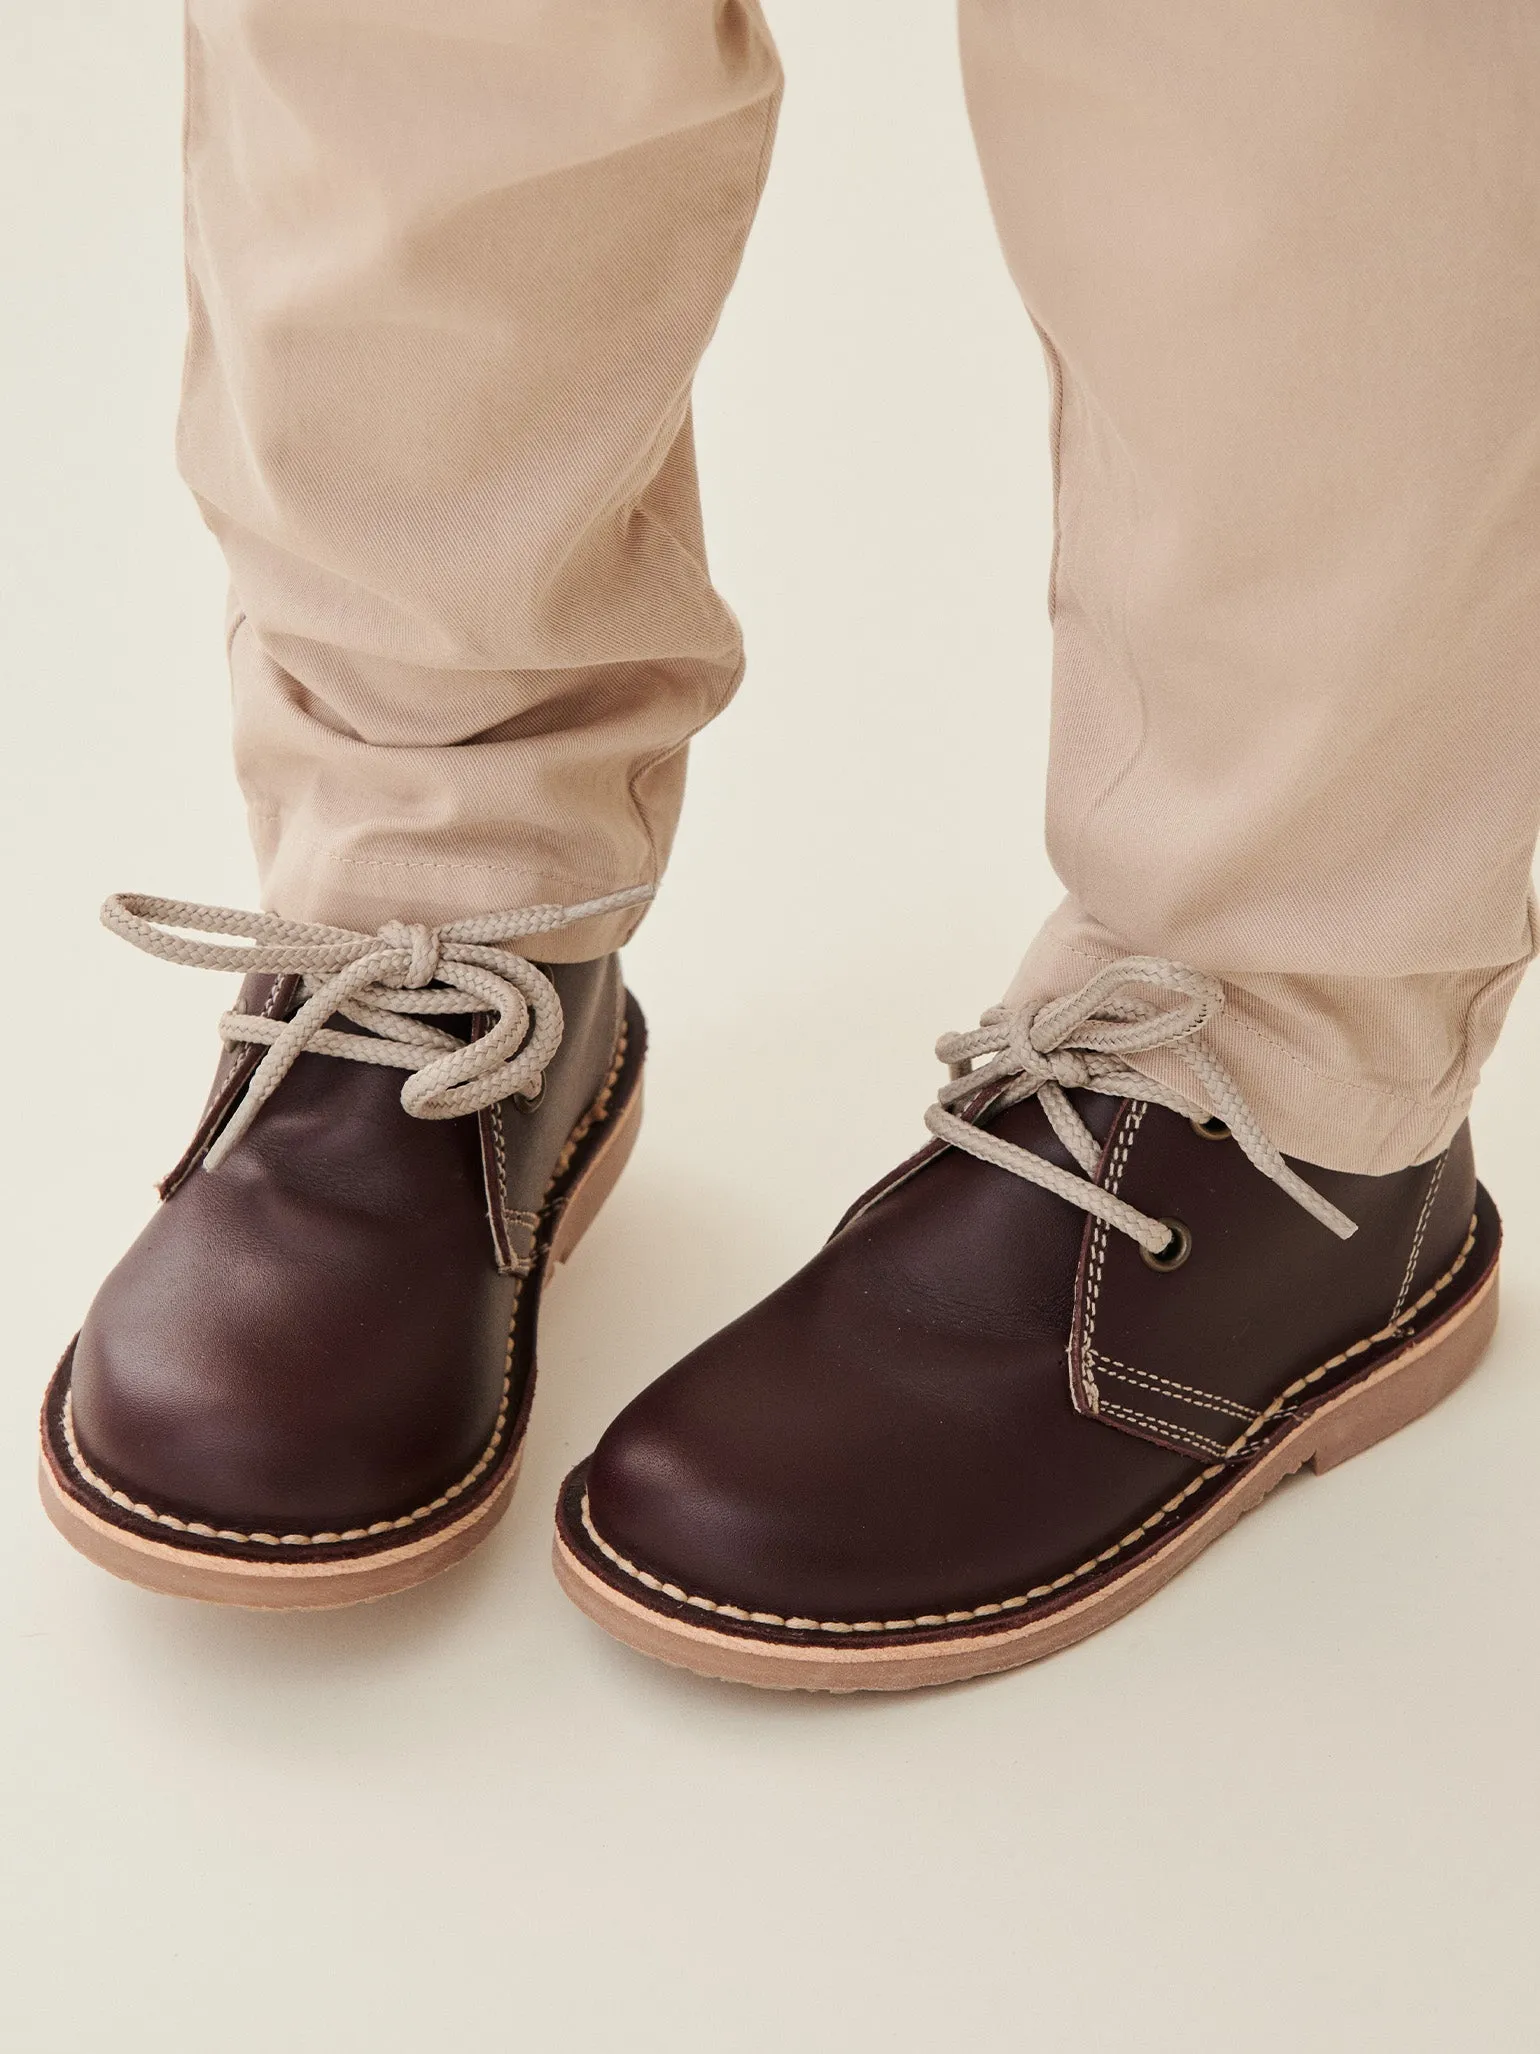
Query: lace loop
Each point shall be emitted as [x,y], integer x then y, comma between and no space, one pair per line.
[389,984]
[1079,1042]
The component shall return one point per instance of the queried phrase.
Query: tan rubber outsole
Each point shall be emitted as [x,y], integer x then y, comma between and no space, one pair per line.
[271,1586]
[350,1580]
[1389,1398]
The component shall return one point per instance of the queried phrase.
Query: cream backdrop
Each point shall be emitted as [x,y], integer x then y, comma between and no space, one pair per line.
[1290,1803]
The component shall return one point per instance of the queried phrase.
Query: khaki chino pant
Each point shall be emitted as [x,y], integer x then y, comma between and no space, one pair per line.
[453,263]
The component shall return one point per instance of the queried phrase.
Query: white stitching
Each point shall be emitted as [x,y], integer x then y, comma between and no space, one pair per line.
[1099,1238]
[214,1114]
[303,1540]
[1205,1443]
[500,1154]
[599,1110]
[1385,1333]
[1092,1359]
[1422,1228]
[1207,1401]
[1041,1590]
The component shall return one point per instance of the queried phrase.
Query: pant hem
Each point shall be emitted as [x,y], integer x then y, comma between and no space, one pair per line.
[363,895]
[1367,1125]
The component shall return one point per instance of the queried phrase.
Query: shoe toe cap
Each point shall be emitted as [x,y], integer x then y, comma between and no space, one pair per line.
[330,1403]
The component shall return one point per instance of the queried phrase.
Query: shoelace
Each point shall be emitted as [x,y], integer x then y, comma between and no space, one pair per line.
[1079,1042]
[385,983]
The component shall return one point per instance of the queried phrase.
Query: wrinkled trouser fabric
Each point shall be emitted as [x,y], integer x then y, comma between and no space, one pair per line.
[452,268]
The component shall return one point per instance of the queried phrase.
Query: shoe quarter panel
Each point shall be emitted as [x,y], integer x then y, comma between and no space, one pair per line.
[1190,1357]
[523,1142]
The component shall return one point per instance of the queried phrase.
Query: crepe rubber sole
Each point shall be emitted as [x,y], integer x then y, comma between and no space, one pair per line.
[1343,1423]
[114,1538]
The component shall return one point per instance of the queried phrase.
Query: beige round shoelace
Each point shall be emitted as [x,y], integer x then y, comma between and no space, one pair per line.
[1080,1042]
[385,983]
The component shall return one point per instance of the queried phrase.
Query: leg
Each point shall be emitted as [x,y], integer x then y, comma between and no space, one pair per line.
[451,272]
[452,267]
[1282,259]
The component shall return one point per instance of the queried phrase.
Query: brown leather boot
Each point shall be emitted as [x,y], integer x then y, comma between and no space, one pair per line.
[308,1380]
[1034,1372]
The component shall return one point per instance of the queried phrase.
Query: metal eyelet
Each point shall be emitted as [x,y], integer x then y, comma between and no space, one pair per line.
[1211,1129]
[1175,1252]
[526,1101]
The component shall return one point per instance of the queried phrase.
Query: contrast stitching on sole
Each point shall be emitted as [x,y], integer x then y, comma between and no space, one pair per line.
[959,1618]
[744,1616]
[598,1111]
[1385,1333]
[203,1531]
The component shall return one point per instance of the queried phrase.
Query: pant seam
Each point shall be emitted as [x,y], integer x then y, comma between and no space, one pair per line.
[658,861]
[324,860]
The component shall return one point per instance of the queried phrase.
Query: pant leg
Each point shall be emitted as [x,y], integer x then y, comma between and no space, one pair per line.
[452,266]
[1285,258]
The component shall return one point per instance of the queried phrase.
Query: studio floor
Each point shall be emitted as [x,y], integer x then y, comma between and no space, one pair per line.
[1291,1803]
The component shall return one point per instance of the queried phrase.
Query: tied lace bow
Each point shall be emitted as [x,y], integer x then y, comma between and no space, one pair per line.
[1082,1042]
[385,983]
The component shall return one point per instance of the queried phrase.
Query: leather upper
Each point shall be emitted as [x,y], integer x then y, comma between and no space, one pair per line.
[1190,1357]
[891,1434]
[315,1335]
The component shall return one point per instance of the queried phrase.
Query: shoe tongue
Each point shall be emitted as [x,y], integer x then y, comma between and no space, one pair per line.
[461,1025]
[1026,1124]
